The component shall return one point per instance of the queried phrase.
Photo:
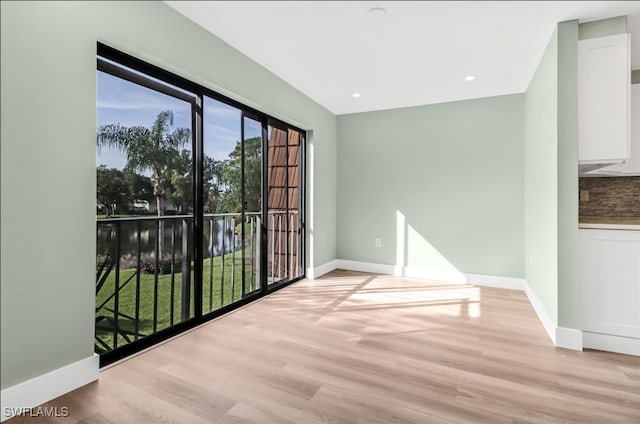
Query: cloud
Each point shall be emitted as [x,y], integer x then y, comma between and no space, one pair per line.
[219,129]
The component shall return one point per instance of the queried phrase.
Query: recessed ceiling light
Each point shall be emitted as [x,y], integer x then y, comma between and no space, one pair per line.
[356,95]
[377,11]
[469,78]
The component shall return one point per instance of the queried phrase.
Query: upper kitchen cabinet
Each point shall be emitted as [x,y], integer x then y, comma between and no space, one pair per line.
[604,71]
[632,165]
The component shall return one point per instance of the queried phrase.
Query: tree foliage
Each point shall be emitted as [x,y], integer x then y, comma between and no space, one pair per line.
[155,149]
[212,177]
[111,190]
[160,151]
[179,178]
[116,189]
[140,187]
[231,177]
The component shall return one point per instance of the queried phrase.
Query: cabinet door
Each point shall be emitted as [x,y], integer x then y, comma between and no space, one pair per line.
[632,165]
[604,73]
[610,282]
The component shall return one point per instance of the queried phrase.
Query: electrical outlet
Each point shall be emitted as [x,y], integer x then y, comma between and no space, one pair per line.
[584,195]
[378,242]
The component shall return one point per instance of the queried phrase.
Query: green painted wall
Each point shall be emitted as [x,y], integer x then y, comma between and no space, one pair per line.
[602,28]
[454,171]
[551,179]
[541,180]
[48,158]
[568,282]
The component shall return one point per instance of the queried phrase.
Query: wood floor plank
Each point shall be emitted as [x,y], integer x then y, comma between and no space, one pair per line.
[356,348]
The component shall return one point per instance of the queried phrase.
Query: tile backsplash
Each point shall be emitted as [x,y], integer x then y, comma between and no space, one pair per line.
[610,197]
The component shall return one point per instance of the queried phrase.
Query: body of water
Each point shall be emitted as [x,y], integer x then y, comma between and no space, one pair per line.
[220,235]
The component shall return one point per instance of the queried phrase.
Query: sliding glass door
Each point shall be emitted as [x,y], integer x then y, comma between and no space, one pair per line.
[284,205]
[232,199]
[200,204]
[240,257]
[251,233]
[144,206]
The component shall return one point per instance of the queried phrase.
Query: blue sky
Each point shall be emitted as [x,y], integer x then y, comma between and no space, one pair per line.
[129,104]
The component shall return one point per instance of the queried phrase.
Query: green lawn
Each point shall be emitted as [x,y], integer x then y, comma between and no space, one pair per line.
[215,295]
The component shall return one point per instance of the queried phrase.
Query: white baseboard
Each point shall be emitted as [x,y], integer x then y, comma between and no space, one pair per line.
[365,267]
[313,273]
[498,282]
[398,271]
[435,274]
[440,275]
[46,387]
[424,273]
[547,322]
[618,344]
[569,338]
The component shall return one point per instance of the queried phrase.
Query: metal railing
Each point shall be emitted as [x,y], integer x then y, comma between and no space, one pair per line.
[134,296]
[283,246]
[223,239]
[145,268]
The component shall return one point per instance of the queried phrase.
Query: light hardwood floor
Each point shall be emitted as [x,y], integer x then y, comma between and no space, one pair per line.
[361,348]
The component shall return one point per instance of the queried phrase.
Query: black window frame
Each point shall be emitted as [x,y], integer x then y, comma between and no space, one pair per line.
[115,63]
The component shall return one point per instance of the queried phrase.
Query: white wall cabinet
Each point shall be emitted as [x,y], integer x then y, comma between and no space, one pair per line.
[604,72]
[632,165]
[610,289]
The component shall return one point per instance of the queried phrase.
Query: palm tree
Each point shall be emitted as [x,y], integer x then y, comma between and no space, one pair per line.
[154,149]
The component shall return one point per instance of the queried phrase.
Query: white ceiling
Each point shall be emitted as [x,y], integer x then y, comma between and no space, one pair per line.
[417,53]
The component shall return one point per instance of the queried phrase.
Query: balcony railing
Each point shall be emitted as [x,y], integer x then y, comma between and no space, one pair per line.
[145,268]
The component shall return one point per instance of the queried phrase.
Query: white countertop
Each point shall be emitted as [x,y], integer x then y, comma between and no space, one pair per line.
[609,226]
[610,223]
